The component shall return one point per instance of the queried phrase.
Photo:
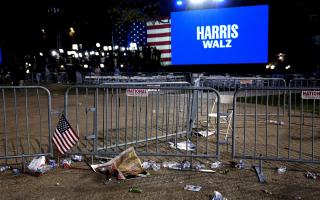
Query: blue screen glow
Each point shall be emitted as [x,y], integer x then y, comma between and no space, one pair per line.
[220,36]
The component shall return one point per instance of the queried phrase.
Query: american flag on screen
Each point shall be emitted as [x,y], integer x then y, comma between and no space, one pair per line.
[64,136]
[159,36]
[153,33]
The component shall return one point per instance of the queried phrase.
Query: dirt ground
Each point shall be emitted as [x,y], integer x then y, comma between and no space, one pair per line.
[80,182]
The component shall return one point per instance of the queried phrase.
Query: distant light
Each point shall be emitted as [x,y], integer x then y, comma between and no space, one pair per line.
[110,48]
[121,65]
[27,71]
[71,31]
[69,53]
[196,1]
[75,47]
[107,53]
[61,66]
[85,66]
[86,53]
[80,55]
[122,49]
[105,48]
[102,65]
[29,65]
[133,46]
[116,47]
[179,2]
[42,30]
[124,53]
[91,52]
[267,66]
[102,54]
[288,67]
[272,66]
[54,53]
[98,45]
[41,54]
[96,53]
[61,51]
[76,55]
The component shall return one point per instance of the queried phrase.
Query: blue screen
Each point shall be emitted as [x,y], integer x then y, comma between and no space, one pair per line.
[220,36]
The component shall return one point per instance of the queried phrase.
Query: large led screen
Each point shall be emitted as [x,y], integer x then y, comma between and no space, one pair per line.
[220,36]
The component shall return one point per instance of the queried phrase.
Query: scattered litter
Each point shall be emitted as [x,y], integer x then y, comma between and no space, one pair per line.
[311,175]
[207,170]
[240,165]
[150,164]
[76,158]
[225,171]
[185,145]
[4,168]
[52,164]
[38,166]
[135,190]
[171,165]
[194,188]
[126,164]
[66,163]
[218,196]
[199,166]
[186,165]
[276,122]
[281,170]
[267,191]
[57,184]
[204,133]
[16,171]
[216,164]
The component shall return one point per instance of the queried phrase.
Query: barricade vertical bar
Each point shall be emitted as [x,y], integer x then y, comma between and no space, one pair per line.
[278,120]
[103,117]
[40,119]
[289,113]
[49,122]
[27,119]
[95,121]
[5,123]
[267,120]
[157,118]
[117,117]
[16,119]
[126,124]
[87,110]
[107,116]
[312,127]
[77,111]
[301,123]
[255,125]
[146,123]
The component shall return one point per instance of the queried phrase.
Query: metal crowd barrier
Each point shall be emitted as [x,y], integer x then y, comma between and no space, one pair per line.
[292,137]
[110,119]
[25,122]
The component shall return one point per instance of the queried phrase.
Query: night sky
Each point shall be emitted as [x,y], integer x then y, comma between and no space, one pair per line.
[292,24]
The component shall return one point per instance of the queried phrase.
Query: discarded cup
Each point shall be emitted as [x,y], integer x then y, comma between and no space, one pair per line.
[194,188]
[281,170]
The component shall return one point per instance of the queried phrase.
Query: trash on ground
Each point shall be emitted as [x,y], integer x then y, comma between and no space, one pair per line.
[218,196]
[216,164]
[65,163]
[281,170]
[194,188]
[171,165]
[76,158]
[204,133]
[4,168]
[38,166]
[225,171]
[207,170]
[52,164]
[276,122]
[240,165]
[185,145]
[186,165]
[16,171]
[267,191]
[135,190]
[199,166]
[126,164]
[150,164]
[311,175]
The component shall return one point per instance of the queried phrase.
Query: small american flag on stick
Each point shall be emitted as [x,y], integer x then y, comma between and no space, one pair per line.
[64,136]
